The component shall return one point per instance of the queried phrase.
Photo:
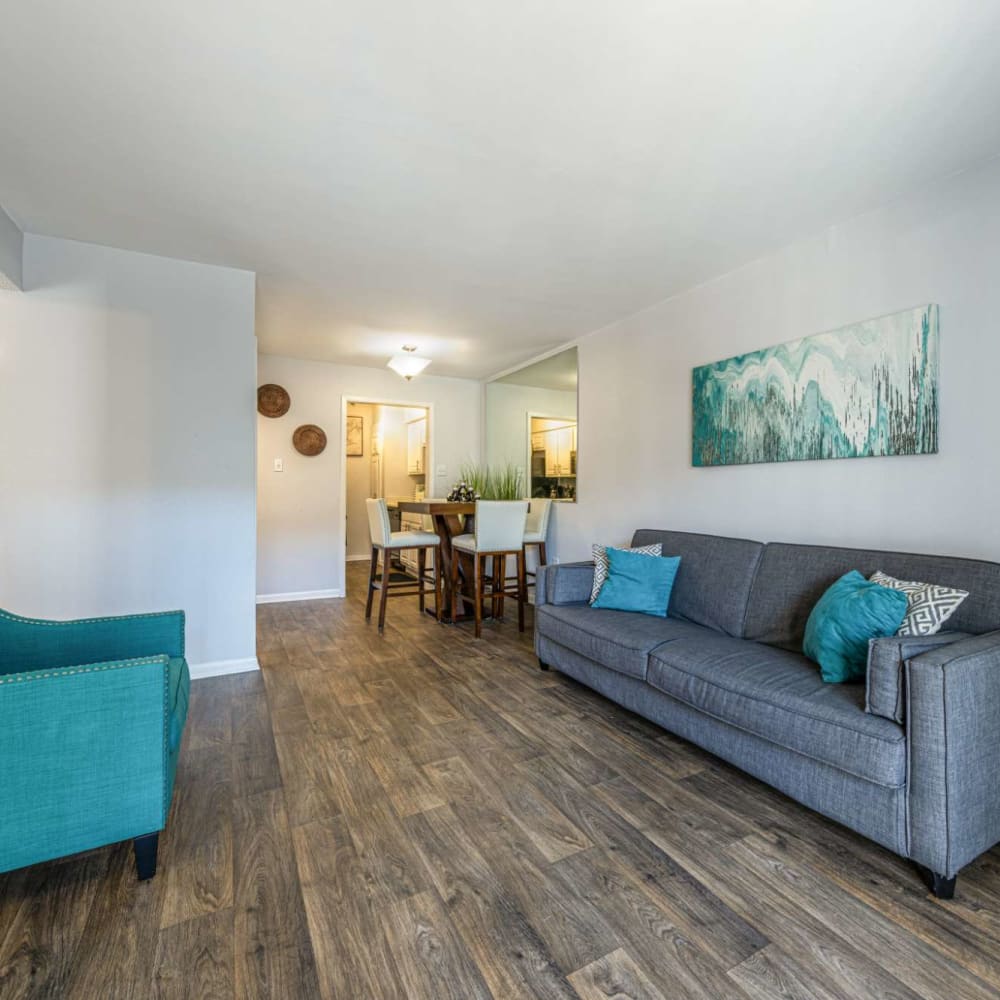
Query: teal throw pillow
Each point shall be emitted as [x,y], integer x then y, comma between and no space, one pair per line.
[851,612]
[638,582]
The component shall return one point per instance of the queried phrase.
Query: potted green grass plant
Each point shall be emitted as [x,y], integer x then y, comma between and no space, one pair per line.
[499,482]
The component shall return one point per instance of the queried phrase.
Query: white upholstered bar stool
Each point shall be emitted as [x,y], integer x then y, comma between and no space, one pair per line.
[499,533]
[386,541]
[536,529]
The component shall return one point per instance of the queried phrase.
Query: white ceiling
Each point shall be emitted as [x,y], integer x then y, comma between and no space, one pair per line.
[483,178]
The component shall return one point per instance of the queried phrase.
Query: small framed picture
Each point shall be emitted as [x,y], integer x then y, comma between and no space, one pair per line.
[355,437]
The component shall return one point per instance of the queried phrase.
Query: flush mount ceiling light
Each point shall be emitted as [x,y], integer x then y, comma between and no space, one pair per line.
[407,365]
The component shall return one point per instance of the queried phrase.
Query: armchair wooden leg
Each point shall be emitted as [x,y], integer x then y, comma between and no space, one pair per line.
[522,590]
[479,562]
[371,584]
[145,855]
[541,554]
[421,573]
[384,596]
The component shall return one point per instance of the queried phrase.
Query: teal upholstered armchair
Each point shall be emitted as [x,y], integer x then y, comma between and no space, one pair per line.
[91,718]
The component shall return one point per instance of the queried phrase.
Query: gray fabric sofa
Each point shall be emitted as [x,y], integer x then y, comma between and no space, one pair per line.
[726,671]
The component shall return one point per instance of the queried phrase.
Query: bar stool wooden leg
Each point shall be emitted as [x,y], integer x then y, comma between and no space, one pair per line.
[385,590]
[541,560]
[479,563]
[457,604]
[371,584]
[438,587]
[496,603]
[522,590]
[421,572]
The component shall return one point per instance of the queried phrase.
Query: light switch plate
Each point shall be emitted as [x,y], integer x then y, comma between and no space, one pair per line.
[442,470]
[279,465]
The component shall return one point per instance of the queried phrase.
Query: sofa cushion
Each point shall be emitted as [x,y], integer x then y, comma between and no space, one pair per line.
[778,695]
[792,578]
[713,584]
[618,640]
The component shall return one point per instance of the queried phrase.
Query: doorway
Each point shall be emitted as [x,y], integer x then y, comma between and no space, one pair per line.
[387,452]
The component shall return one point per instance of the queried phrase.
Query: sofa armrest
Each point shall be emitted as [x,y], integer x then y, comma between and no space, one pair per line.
[36,644]
[885,686]
[564,583]
[953,741]
[84,757]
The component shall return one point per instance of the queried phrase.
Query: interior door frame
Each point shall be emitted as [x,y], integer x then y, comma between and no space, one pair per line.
[347,398]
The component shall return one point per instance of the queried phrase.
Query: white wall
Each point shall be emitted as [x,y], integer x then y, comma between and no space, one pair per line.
[943,246]
[301,531]
[11,242]
[127,452]
[359,484]
[507,407]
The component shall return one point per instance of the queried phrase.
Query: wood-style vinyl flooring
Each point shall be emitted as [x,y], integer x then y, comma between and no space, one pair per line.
[425,816]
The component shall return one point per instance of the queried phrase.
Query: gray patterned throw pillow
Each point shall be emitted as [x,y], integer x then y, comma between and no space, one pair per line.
[929,605]
[600,553]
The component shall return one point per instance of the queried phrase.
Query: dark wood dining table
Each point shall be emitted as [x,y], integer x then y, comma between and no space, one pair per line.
[450,519]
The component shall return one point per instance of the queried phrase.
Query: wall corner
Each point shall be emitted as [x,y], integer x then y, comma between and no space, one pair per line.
[11,254]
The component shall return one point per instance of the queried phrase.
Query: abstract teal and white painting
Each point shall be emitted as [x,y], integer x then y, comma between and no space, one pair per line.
[867,389]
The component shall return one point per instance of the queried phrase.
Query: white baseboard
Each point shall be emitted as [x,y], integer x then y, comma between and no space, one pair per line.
[299,595]
[219,668]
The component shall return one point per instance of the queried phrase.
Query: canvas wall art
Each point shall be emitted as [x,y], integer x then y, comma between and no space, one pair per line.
[865,390]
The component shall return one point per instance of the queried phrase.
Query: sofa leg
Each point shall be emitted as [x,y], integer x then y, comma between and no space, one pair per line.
[145,855]
[941,887]
[541,665]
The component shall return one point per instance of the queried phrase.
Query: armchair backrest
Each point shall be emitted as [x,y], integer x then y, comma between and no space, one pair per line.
[39,643]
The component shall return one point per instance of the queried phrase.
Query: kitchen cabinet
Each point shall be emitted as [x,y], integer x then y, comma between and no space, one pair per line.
[416,447]
[560,449]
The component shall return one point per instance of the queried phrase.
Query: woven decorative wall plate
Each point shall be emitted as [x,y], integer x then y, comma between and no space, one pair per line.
[309,440]
[273,400]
